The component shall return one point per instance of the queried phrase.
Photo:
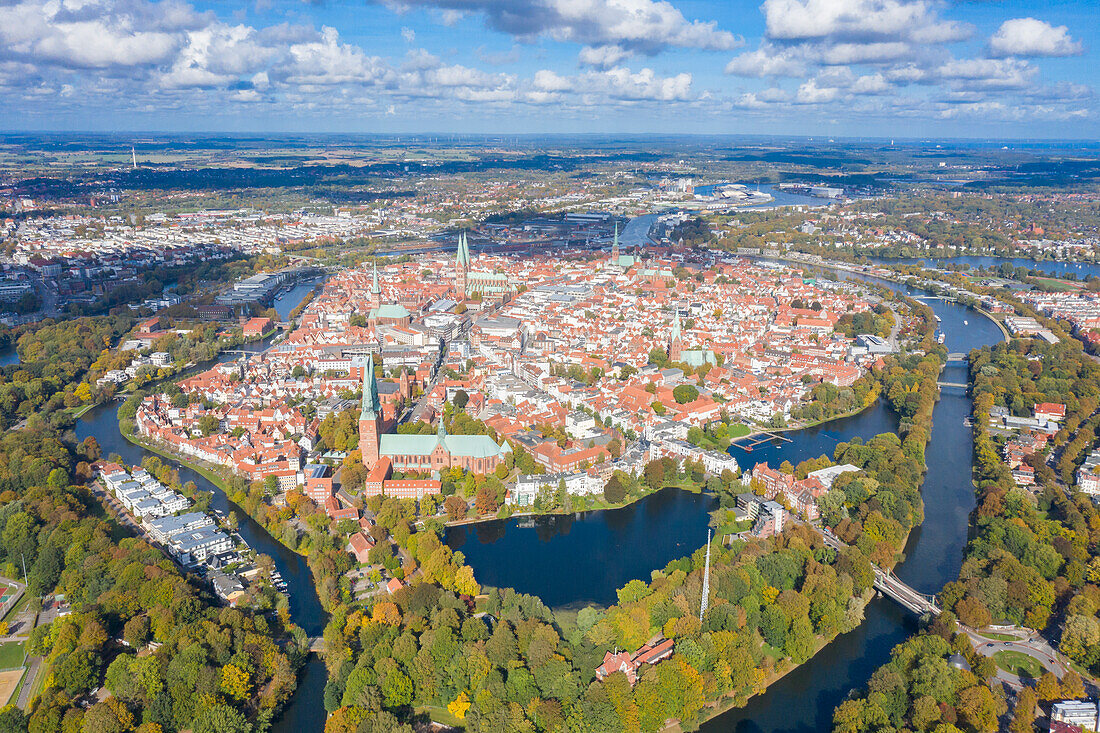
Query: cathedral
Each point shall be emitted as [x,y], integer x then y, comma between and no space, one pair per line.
[425,453]
[468,282]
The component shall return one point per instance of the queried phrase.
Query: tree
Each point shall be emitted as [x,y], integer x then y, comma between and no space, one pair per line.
[459,706]
[614,491]
[978,708]
[456,508]
[654,474]
[219,718]
[460,399]
[1023,717]
[486,501]
[1048,688]
[685,393]
[208,425]
[1072,688]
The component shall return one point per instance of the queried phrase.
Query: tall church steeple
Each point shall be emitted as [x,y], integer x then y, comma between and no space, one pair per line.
[615,246]
[370,416]
[462,264]
[676,341]
[375,292]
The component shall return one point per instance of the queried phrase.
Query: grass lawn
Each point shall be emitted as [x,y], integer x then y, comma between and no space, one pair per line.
[739,430]
[999,637]
[1059,286]
[1018,664]
[11,655]
[442,715]
[772,652]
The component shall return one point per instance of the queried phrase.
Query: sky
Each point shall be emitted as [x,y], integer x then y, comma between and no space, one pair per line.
[876,68]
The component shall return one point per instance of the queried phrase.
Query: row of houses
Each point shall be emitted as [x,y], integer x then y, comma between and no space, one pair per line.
[141,494]
[193,539]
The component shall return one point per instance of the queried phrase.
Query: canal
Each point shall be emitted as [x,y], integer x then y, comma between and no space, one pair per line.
[804,700]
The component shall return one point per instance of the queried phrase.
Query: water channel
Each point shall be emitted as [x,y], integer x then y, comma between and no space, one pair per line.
[305,711]
[1054,268]
[553,556]
[584,558]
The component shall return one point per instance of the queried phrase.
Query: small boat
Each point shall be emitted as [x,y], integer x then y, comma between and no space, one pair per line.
[966,322]
[941,338]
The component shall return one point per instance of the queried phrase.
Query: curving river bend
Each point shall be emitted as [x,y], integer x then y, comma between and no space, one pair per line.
[584,558]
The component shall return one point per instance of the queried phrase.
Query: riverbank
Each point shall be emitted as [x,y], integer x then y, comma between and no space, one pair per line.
[209,471]
[719,708]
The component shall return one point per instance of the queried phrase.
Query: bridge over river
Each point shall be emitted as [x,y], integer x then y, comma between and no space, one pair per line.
[887,584]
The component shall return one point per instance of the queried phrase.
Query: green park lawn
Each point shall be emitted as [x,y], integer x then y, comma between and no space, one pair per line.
[11,655]
[1018,664]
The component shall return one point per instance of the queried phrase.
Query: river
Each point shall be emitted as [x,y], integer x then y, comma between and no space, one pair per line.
[1055,268]
[305,711]
[583,558]
[289,299]
[530,554]
[779,196]
[553,556]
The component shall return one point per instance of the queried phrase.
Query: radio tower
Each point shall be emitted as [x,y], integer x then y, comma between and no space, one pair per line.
[706,582]
[133,157]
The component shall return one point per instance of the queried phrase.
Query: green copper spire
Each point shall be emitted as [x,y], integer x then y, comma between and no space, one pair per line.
[371,404]
[375,288]
[676,325]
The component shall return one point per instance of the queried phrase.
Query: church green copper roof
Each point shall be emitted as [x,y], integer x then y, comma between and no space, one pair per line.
[389,311]
[467,446]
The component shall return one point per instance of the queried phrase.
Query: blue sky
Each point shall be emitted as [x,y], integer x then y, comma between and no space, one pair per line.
[886,68]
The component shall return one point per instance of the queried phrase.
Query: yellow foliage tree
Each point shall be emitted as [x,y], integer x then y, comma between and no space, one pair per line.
[235,682]
[465,583]
[387,613]
[83,392]
[459,706]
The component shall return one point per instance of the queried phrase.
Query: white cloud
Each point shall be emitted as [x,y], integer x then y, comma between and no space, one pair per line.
[328,61]
[646,26]
[618,84]
[1032,37]
[408,35]
[767,61]
[865,53]
[859,20]
[810,93]
[988,74]
[603,57]
[99,37]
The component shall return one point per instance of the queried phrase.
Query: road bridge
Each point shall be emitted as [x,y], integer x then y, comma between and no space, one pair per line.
[956,356]
[890,586]
[953,384]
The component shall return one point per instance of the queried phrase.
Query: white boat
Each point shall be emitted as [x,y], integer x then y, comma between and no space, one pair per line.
[966,322]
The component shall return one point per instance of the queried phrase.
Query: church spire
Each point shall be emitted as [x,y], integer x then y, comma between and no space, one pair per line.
[675,341]
[375,294]
[371,405]
[615,246]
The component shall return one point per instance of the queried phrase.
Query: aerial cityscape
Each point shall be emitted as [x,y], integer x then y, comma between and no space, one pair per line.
[546,366]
